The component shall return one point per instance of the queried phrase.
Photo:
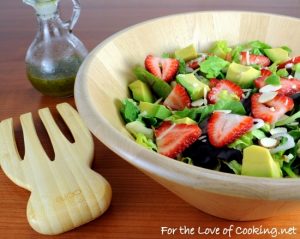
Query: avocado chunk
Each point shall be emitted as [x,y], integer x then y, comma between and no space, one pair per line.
[257,161]
[188,53]
[141,91]
[185,120]
[160,87]
[242,75]
[154,110]
[194,87]
[277,55]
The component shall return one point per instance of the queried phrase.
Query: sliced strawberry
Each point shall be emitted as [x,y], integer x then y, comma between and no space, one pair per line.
[213,82]
[288,86]
[251,59]
[178,99]
[222,85]
[225,128]
[272,110]
[172,139]
[294,60]
[163,68]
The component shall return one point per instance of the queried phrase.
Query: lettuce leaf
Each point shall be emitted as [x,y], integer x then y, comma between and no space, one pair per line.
[235,166]
[220,49]
[141,139]
[213,66]
[273,79]
[247,139]
[129,110]
[201,113]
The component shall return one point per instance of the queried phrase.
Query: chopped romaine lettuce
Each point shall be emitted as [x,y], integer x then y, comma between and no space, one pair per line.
[145,142]
[235,166]
[182,67]
[282,73]
[273,80]
[213,66]
[129,110]
[288,120]
[220,49]
[247,139]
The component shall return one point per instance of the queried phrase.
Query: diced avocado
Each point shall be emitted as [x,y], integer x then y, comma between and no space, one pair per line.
[188,53]
[194,87]
[277,55]
[141,91]
[136,127]
[160,87]
[242,75]
[220,49]
[257,161]
[154,110]
[185,120]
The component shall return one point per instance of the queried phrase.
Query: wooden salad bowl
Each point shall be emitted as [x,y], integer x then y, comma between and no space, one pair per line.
[102,82]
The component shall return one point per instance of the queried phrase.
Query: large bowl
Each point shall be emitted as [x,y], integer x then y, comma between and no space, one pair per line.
[102,82]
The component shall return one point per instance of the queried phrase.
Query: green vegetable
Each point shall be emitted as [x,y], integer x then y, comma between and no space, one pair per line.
[288,120]
[273,67]
[129,110]
[273,80]
[296,68]
[234,166]
[160,87]
[286,48]
[236,107]
[247,139]
[220,49]
[186,160]
[145,142]
[182,66]
[282,73]
[258,45]
[201,113]
[213,66]
[236,53]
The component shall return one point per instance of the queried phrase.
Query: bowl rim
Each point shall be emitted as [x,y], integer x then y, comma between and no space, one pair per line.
[97,124]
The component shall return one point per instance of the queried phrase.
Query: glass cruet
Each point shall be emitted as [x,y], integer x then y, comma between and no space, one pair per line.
[55,55]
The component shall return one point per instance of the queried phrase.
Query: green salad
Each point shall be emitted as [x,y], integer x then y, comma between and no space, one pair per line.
[234,109]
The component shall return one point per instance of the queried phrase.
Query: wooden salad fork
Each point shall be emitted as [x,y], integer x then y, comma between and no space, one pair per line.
[65,192]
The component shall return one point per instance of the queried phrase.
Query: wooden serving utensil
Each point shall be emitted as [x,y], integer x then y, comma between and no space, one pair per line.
[66,192]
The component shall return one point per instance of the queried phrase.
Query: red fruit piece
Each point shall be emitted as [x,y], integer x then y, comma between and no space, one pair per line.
[213,82]
[172,139]
[294,60]
[178,99]
[194,64]
[224,129]
[272,110]
[222,85]
[251,59]
[163,68]
[288,86]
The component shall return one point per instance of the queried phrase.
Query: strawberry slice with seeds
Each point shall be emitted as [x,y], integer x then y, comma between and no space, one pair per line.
[172,139]
[163,68]
[291,62]
[272,110]
[213,82]
[178,99]
[288,86]
[222,85]
[251,59]
[224,129]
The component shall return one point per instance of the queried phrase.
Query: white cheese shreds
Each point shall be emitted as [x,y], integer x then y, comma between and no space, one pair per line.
[265,97]
[279,130]
[268,142]
[269,88]
[258,123]
[290,143]
[223,111]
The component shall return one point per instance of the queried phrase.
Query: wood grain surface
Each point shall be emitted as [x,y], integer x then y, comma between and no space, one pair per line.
[140,207]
